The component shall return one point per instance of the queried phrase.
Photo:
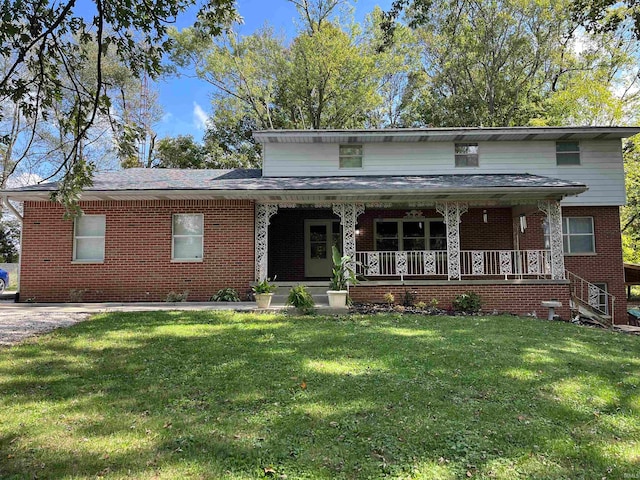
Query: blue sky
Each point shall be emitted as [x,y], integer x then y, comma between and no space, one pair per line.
[186,101]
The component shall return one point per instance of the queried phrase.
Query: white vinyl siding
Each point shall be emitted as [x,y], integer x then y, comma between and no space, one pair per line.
[88,238]
[600,169]
[187,237]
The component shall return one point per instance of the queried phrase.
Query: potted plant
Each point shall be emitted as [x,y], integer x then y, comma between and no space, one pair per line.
[263,291]
[343,276]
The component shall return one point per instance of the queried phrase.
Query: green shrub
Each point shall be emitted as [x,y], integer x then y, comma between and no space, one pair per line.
[389,299]
[421,305]
[173,297]
[469,302]
[300,298]
[409,298]
[225,295]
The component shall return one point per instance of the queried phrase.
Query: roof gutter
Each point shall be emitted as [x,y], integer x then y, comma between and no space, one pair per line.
[9,205]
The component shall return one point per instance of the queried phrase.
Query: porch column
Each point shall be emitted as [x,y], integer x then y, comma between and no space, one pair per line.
[263,213]
[554,219]
[451,212]
[348,213]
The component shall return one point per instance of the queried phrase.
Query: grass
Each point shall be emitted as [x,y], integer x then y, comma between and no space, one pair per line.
[224,395]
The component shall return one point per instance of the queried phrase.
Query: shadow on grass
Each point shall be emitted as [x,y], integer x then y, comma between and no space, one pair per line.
[218,394]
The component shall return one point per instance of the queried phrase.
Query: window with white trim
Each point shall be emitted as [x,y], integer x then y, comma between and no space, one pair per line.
[602,301]
[350,156]
[188,232]
[88,238]
[466,154]
[567,153]
[409,235]
[577,235]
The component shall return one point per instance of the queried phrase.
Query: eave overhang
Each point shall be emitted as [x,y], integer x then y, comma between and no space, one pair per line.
[485,196]
[459,134]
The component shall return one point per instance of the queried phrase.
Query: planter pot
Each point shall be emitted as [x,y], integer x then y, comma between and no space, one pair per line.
[337,298]
[263,299]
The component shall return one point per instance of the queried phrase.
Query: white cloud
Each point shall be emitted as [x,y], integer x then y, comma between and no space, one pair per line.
[166,118]
[23,180]
[200,118]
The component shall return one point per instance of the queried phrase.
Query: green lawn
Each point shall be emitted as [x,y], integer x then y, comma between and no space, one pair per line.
[224,395]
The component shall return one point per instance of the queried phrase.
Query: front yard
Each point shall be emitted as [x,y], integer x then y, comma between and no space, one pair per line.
[224,395]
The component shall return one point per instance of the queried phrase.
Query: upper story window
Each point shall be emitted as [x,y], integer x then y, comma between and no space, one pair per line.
[567,153]
[466,155]
[577,235]
[88,238]
[188,230]
[350,156]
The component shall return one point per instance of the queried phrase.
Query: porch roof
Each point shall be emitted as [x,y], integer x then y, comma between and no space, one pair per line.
[161,184]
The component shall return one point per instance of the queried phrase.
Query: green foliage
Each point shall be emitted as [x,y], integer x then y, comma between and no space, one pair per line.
[265,286]
[9,240]
[630,213]
[469,302]
[173,297]
[226,295]
[44,48]
[301,299]
[343,271]
[409,297]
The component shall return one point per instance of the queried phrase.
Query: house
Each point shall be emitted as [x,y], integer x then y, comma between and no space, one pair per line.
[518,215]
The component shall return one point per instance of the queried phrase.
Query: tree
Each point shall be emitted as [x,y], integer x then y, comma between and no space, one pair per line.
[40,41]
[607,15]
[630,213]
[9,240]
[179,152]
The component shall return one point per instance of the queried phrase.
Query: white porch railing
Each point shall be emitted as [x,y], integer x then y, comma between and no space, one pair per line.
[500,263]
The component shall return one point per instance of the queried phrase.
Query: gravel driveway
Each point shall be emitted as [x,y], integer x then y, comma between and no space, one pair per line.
[16,325]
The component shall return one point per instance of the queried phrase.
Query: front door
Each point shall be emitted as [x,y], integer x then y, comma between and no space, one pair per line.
[319,237]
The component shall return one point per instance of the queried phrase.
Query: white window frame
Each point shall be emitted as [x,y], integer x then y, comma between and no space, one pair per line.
[342,156]
[603,303]
[466,156]
[571,152]
[77,237]
[174,236]
[400,222]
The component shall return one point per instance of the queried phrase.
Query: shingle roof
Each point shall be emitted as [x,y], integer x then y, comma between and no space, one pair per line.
[142,179]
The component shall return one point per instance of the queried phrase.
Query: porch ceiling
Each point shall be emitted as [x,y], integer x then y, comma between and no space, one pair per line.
[152,184]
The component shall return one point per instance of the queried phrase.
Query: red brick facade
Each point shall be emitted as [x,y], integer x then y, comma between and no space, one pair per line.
[137,264]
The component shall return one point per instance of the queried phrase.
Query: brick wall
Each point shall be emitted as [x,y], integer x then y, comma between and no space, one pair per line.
[137,265]
[605,266]
[520,299]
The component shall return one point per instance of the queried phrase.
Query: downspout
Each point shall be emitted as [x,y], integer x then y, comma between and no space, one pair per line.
[7,203]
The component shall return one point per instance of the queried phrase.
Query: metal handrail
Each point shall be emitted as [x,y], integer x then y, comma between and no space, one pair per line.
[590,295]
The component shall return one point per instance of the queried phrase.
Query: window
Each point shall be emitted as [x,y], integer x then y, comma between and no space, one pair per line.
[187,237]
[410,235]
[466,155]
[88,241]
[567,153]
[577,235]
[350,156]
[601,301]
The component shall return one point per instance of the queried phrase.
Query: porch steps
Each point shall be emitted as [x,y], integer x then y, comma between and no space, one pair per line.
[318,292]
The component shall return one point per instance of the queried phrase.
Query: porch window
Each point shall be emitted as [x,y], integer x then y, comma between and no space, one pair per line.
[410,235]
[567,153]
[350,156]
[577,235]
[187,235]
[466,154]
[88,238]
